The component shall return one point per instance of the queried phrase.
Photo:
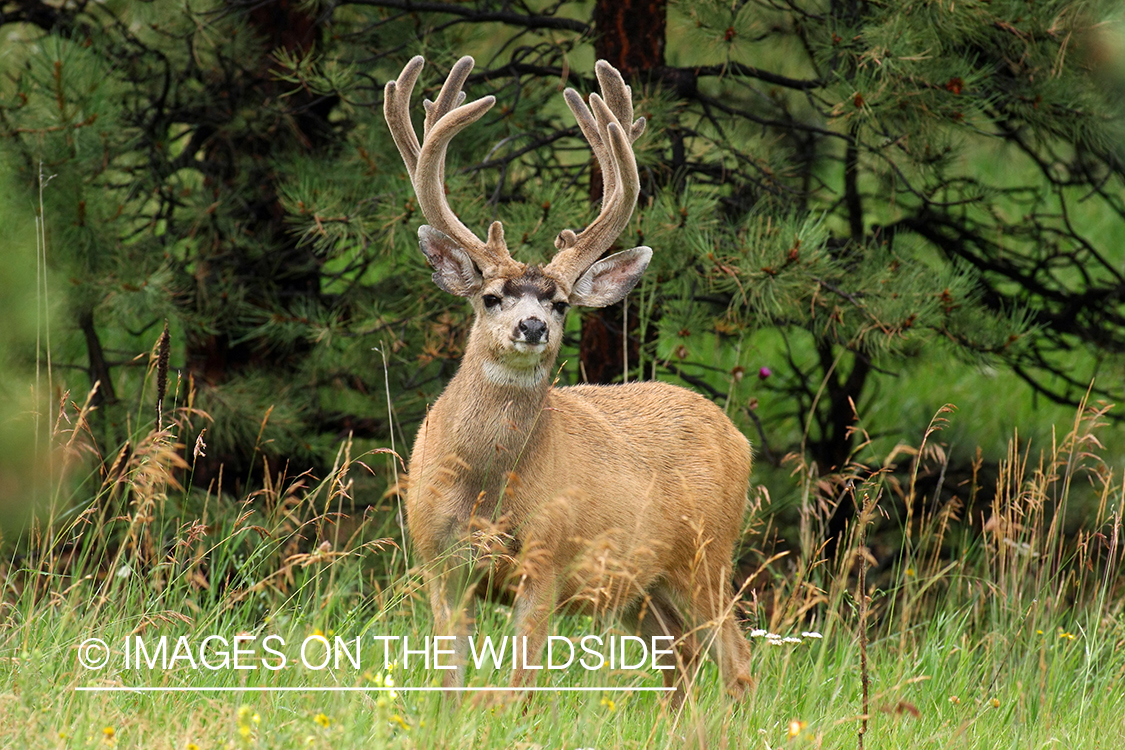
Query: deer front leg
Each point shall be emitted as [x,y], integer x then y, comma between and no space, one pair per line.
[535,600]
[452,600]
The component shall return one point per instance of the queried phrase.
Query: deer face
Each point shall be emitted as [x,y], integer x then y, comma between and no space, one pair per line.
[520,318]
[520,309]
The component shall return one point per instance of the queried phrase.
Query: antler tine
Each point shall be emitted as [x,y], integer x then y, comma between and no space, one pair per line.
[619,96]
[450,96]
[578,252]
[614,105]
[445,118]
[396,110]
[610,131]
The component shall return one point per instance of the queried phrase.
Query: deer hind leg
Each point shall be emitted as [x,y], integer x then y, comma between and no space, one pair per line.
[706,591]
[656,615]
[712,606]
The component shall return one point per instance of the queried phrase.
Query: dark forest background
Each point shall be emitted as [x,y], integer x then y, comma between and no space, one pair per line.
[860,212]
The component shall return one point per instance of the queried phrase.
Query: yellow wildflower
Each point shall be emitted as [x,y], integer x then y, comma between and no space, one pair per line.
[795,728]
[608,703]
[322,719]
[396,719]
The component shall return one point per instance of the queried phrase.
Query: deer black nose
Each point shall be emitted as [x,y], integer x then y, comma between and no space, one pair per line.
[533,330]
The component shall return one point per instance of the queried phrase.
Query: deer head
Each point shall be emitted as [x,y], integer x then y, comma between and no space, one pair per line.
[520,309]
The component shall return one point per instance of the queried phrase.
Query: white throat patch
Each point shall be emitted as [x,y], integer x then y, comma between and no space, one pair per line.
[498,374]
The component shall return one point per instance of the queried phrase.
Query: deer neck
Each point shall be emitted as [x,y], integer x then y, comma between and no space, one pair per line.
[495,414]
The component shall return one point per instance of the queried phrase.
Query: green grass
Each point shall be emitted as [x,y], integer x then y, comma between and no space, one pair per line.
[946,686]
[992,628]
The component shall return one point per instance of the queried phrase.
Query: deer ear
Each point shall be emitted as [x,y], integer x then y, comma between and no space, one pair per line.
[454,271]
[610,279]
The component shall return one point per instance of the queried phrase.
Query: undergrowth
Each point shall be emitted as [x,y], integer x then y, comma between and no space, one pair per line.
[967,616]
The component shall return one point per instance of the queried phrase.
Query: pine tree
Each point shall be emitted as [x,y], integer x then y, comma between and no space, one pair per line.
[844,185]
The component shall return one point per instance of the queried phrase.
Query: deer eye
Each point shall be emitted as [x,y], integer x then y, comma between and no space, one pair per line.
[490,301]
[561,307]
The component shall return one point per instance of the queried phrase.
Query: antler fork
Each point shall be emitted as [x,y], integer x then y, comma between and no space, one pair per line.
[425,162]
[611,131]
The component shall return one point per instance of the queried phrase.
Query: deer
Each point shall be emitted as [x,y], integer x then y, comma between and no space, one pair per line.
[623,500]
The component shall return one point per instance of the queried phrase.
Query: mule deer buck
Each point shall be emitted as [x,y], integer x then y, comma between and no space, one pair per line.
[624,499]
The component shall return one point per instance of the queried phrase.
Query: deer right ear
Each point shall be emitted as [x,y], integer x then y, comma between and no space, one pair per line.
[454,271]
[610,279]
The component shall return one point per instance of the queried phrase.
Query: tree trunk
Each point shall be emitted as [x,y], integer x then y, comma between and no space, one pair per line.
[262,261]
[832,451]
[99,367]
[630,36]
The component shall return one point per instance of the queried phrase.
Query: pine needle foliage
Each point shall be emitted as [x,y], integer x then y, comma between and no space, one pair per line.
[866,183]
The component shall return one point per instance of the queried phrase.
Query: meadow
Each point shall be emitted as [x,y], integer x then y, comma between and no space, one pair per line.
[960,623]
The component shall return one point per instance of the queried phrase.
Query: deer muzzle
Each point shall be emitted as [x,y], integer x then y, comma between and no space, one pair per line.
[531,331]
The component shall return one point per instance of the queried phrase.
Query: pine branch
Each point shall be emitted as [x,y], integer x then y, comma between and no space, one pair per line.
[749,71]
[472,15]
[780,124]
[39,14]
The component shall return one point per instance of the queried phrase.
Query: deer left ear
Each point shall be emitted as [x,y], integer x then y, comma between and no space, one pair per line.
[454,271]
[610,279]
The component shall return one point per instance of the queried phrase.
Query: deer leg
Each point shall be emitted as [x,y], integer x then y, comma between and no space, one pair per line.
[734,657]
[656,615]
[712,608]
[454,607]
[534,604]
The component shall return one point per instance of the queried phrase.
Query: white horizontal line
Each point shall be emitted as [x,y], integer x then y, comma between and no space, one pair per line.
[279,689]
